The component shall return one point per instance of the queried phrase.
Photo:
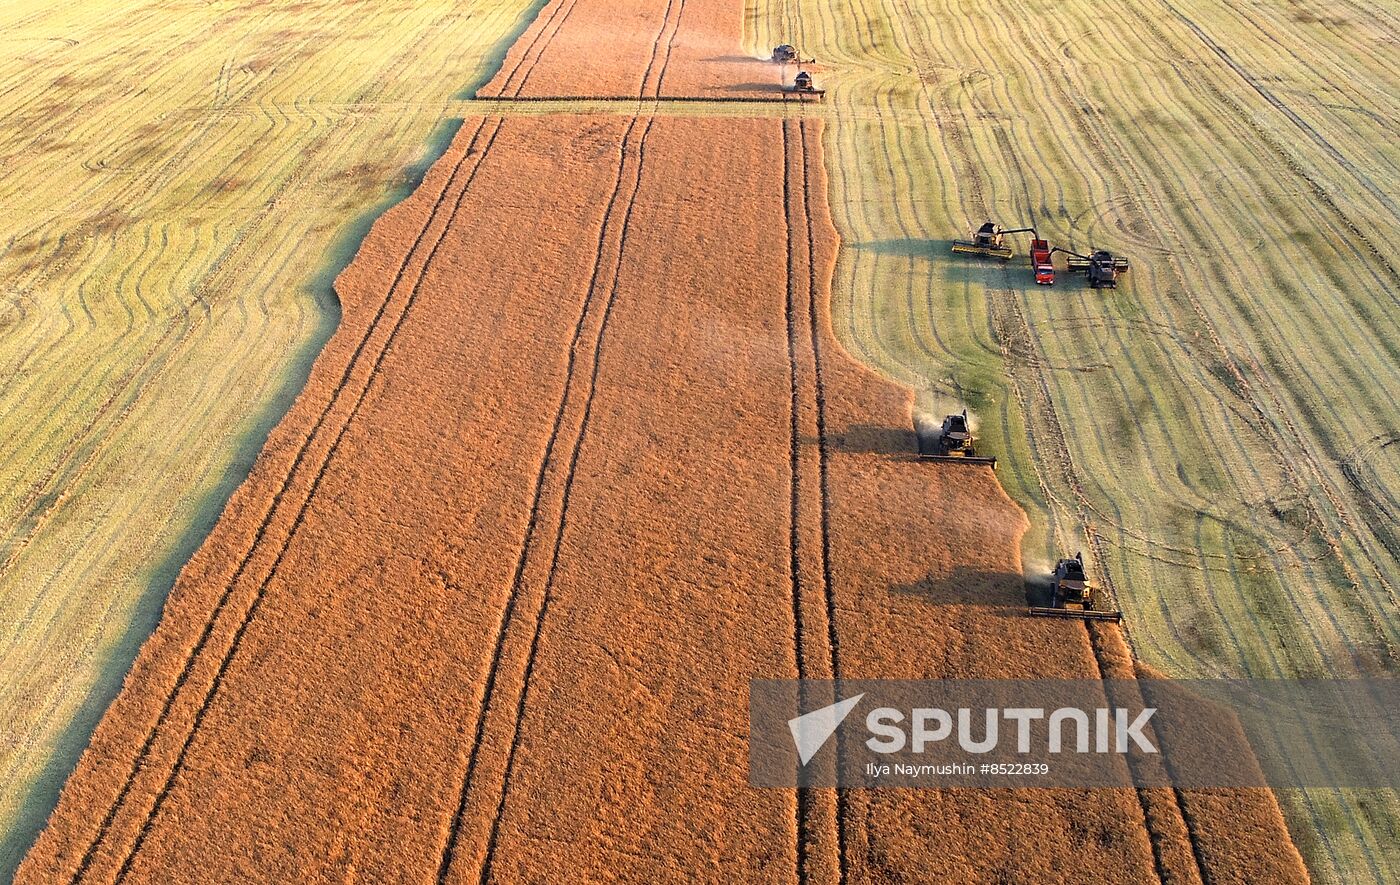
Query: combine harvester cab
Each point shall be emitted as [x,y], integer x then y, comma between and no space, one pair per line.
[951,443]
[1041,263]
[1072,597]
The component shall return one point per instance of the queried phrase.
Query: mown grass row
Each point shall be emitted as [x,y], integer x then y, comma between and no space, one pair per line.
[183,181]
[1221,426]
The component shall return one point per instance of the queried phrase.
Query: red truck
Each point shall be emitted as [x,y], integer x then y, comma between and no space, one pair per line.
[1040,261]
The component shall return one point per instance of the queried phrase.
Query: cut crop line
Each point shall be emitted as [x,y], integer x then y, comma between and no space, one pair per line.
[631,100]
[155,356]
[1267,94]
[139,762]
[1012,314]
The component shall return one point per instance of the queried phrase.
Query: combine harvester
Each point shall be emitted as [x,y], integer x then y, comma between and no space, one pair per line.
[1101,267]
[786,54]
[952,442]
[804,87]
[1071,596]
[988,242]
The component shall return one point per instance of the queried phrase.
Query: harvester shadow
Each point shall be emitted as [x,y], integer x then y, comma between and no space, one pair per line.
[953,267]
[966,586]
[38,802]
[1038,591]
[734,59]
[775,88]
[895,443]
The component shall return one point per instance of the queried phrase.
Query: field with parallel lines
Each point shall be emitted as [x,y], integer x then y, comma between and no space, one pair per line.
[1221,434]
[182,181]
[582,458]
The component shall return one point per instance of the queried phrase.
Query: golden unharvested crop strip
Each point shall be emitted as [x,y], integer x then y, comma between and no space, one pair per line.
[176,176]
[1222,433]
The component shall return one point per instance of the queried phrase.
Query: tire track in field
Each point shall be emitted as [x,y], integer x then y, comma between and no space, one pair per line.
[1010,324]
[656,49]
[564,6]
[487,865]
[1101,149]
[824,489]
[503,630]
[120,403]
[138,763]
[1102,153]
[1311,467]
[803,805]
[1278,104]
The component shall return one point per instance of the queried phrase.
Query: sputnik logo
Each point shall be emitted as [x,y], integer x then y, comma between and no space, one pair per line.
[811,731]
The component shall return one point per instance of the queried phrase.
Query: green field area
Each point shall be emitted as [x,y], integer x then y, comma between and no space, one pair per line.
[182,182]
[1221,434]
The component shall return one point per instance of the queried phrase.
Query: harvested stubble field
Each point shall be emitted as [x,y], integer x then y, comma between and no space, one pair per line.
[182,181]
[584,457]
[1220,434]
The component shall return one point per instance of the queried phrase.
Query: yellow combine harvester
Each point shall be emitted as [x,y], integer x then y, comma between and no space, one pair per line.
[988,242]
[951,443]
[1071,596]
